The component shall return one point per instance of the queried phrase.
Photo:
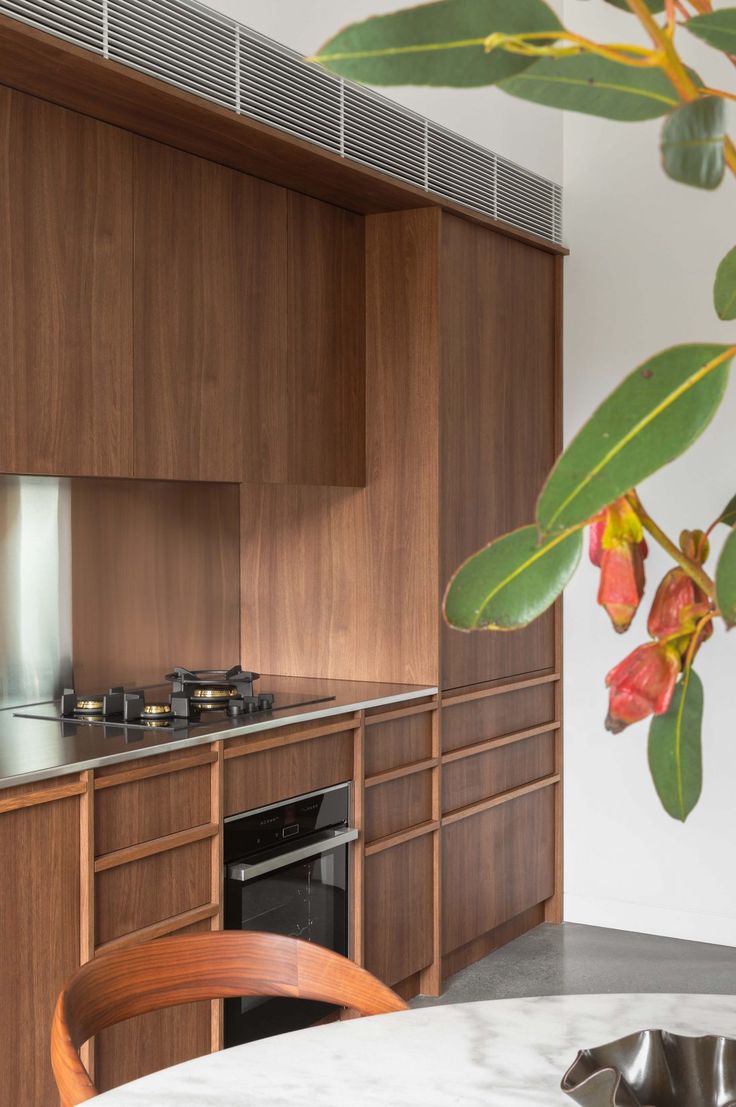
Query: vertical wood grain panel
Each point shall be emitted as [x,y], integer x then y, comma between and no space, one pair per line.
[154,579]
[66,303]
[209,274]
[398,910]
[340,582]
[498,310]
[39,924]
[325,388]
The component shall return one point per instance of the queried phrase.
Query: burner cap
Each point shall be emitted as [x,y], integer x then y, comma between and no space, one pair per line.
[214,693]
[156,710]
[155,722]
[84,706]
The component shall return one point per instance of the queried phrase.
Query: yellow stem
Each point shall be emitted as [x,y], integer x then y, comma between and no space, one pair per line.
[718,92]
[695,572]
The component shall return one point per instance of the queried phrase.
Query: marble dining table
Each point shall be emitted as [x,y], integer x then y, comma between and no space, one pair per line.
[493,1053]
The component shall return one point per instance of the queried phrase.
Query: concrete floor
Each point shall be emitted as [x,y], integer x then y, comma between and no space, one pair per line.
[572,959]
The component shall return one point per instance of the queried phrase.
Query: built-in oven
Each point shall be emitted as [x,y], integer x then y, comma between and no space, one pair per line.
[287,872]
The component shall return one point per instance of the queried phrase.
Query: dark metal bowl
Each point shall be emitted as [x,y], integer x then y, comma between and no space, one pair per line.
[655,1069]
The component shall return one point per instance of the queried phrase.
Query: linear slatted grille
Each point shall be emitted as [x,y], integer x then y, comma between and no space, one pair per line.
[525,200]
[279,88]
[210,55]
[78,21]
[176,41]
[461,170]
[383,135]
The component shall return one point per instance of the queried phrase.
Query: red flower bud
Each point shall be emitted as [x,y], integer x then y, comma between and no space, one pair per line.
[677,606]
[616,544]
[695,545]
[642,684]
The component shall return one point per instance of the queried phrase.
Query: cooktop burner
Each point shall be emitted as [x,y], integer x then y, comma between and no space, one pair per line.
[194,697]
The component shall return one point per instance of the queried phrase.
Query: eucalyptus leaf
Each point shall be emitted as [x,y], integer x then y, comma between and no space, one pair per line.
[436,44]
[675,757]
[596,86]
[726,580]
[653,5]
[728,515]
[692,143]
[511,581]
[652,417]
[724,289]
[716,28]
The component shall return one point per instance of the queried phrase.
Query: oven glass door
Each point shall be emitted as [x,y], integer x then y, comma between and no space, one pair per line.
[307,899]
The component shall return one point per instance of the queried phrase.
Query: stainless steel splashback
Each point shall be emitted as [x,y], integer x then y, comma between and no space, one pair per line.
[35,589]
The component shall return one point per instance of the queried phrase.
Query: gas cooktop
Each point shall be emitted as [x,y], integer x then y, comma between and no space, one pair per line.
[194,697]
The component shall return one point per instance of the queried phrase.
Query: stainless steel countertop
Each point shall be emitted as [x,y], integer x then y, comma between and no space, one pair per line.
[38,749]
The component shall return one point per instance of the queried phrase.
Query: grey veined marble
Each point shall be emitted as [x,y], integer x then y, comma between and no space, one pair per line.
[502,1053]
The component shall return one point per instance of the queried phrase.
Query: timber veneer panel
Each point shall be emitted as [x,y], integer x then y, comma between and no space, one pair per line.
[398,805]
[398,910]
[257,779]
[397,742]
[483,775]
[324,391]
[134,895]
[495,865]
[499,423]
[173,549]
[154,1041]
[39,924]
[342,582]
[66,307]
[465,724]
[141,810]
[210,269]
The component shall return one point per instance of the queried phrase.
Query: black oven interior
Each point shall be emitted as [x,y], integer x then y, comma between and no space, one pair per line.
[286,872]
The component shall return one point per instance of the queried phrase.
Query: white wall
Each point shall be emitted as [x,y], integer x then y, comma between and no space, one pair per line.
[510,127]
[643,254]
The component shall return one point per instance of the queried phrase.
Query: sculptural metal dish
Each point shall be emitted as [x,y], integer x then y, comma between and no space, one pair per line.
[655,1068]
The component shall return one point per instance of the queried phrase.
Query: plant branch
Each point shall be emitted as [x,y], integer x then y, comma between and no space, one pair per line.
[674,68]
[694,571]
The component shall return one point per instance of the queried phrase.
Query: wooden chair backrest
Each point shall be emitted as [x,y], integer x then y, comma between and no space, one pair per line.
[170,971]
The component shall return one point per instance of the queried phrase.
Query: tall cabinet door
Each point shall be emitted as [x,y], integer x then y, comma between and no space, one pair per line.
[210,305]
[499,413]
[66,303]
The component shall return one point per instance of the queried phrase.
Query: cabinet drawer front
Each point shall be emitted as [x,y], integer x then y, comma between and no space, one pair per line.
[483,775]
[258,779]
[495,865]
[126,814]
[398,910]
[464,724]
[129,897]
[398,742]
[398,805]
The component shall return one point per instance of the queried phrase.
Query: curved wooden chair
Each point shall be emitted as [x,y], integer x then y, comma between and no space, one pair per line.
[169,971]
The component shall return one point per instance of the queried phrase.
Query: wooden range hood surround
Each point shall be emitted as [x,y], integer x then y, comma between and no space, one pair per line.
[54,70]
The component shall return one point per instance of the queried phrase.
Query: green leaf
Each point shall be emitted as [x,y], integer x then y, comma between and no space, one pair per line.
[652,417]
[675,759]
[726,579]
[511,581]
[728,515]
[653,5]
[436,44]
[724,289]
[596,86]
[692,143]
[716,28]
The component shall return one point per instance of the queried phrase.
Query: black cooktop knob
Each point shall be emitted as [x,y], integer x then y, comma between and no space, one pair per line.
[265,703]
[252,706]
[235,707]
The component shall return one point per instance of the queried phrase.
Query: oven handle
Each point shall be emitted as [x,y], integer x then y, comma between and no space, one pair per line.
[330,839]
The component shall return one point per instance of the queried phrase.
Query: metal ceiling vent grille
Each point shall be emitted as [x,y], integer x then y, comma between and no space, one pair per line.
[210,55]
[79,21]
[178,41]
[279,88]
[385,136]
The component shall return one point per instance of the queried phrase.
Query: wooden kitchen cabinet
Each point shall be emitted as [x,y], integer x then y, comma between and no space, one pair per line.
[499,413]
[66,317]
[40,928]
[399,910]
